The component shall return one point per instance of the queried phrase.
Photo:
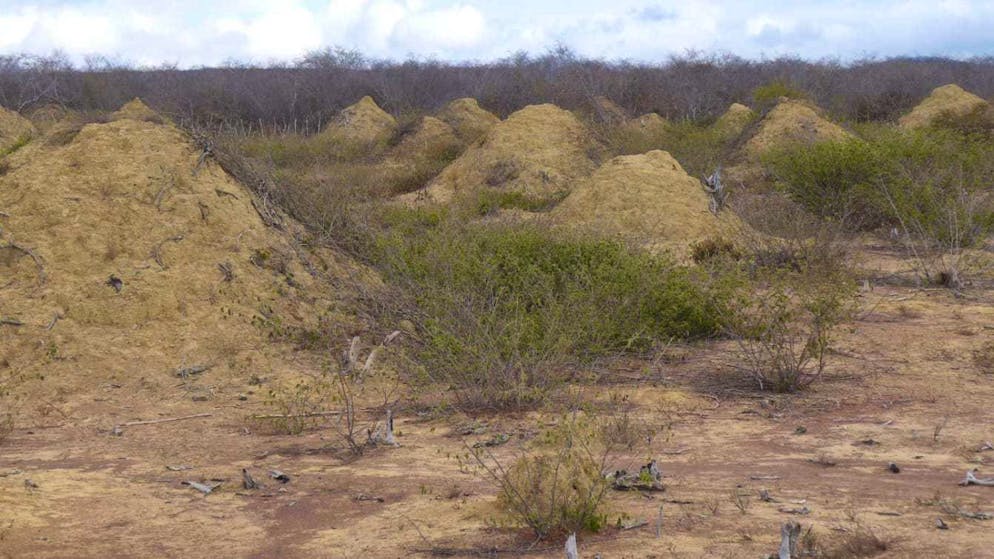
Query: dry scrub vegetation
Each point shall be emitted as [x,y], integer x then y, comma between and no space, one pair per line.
[442,262]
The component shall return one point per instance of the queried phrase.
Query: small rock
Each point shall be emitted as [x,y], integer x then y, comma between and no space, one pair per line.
[941,524]
[279,476]
[894,468]
[801,430]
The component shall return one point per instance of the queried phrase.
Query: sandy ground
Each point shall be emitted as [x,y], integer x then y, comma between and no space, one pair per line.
[902,388]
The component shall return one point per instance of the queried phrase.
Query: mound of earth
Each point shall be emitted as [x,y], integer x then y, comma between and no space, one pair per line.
[14,130]
[791,121]
[946,100]
[647,199]
[361,125]
[538,152]
[136,109]
[126,257]
[734,120]
[468,119]
[650,124]
[431,138]
[608,111]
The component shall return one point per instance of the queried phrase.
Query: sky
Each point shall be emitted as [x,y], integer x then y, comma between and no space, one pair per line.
[202,32]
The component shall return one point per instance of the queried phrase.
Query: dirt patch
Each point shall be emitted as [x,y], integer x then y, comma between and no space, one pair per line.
[363,123]
[648,199]
[14,130]
[538,151]
[949,99]
[468,119]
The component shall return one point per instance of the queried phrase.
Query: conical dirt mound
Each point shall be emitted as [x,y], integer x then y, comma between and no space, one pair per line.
[125,257]
[734,120]
[469,121]
[431,138]
[363,124]
[792,121]
[647,199]
[608,111]
[951,100]
[136,109]
[539,152]
[15,130]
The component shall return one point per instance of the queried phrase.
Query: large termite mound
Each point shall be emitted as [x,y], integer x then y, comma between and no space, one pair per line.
[647,199]
[468,119]
[15,130]
[946,101]
[790,122]
[538,152]
[361,126]
[127,255]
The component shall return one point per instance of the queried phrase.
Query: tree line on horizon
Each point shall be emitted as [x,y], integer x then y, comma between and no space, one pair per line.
[309,91]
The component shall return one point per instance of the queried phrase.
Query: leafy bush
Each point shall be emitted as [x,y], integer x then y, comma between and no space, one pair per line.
[558,485]
[931,185]
[786,330]
[836,180]
[766,96]
[503,308]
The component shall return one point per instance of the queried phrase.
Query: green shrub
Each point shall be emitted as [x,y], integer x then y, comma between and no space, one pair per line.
[785,333]
[932,186]
[504,308]
[836,180]
[557,485]
[488,201]
[766,96]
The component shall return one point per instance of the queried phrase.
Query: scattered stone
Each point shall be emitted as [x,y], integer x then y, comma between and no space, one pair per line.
[279,476]
[648,478]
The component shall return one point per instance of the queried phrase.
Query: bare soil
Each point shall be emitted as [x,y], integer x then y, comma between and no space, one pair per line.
[902,389]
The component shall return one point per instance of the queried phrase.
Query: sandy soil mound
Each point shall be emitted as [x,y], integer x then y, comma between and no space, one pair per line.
[734,120]
[467,118]
[648,199]
[363,123]
[650,124]
[136,109]
[14,129]
[123,256]
[539,151]
[430,138]
[608,111]
[948,99]
[792,121]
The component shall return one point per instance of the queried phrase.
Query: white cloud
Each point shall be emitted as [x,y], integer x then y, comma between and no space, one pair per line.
[459,26]
[192,32]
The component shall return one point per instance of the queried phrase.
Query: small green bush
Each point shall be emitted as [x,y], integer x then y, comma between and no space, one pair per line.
[557,485]
[786,331]
[766,96]
[504,308]
[836,180]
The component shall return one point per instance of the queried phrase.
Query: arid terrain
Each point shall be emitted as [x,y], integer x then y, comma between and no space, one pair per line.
[171,296]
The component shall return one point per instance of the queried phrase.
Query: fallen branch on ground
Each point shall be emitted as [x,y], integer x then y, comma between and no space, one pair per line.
[194,370]
[971,479]
[42,277]
[789,534]
[164,420]
[157,250]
